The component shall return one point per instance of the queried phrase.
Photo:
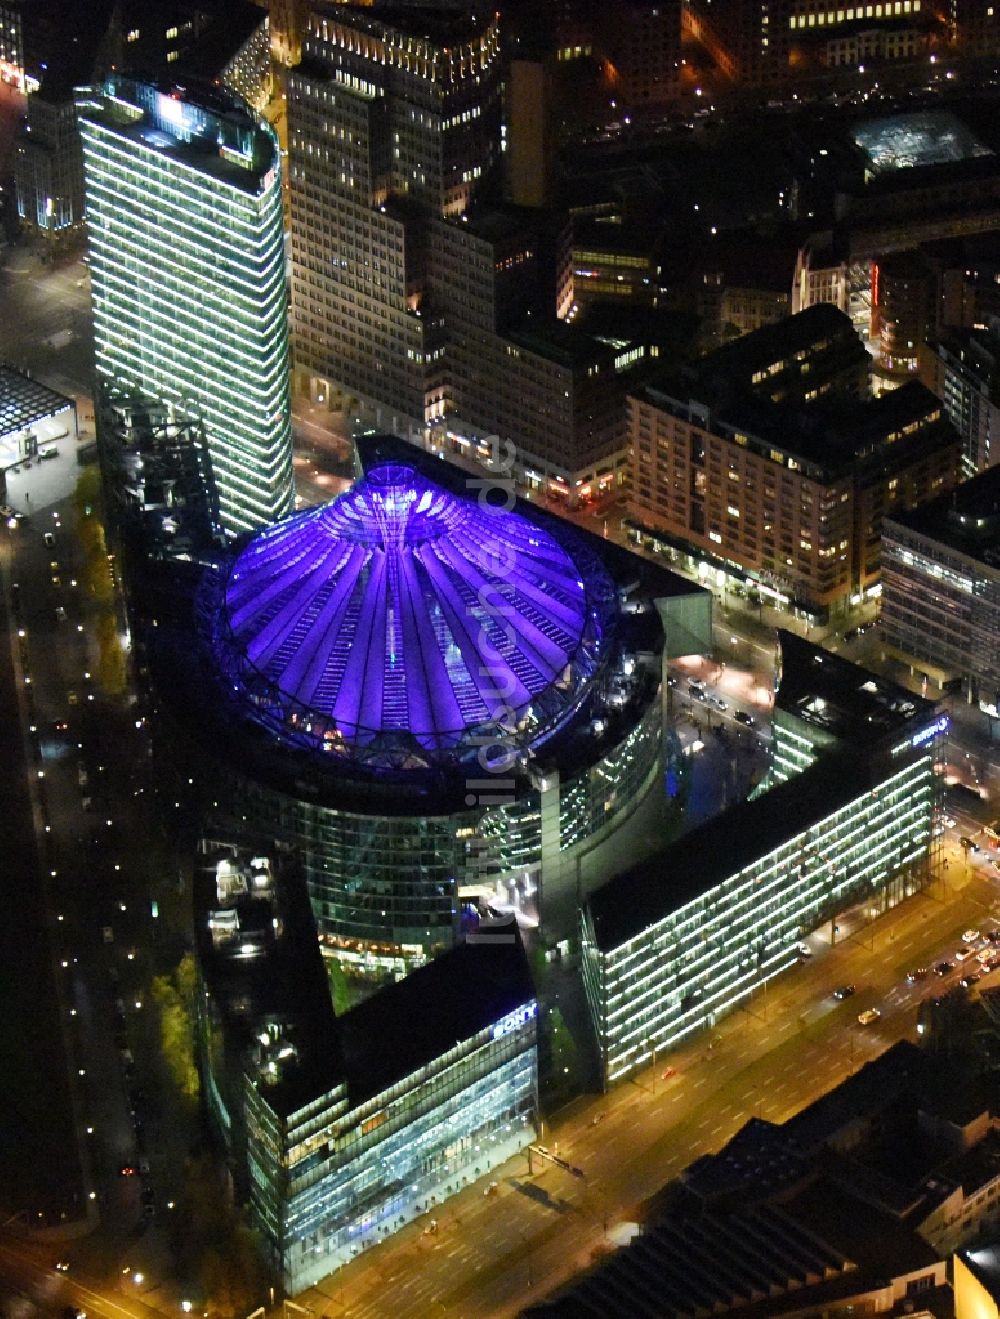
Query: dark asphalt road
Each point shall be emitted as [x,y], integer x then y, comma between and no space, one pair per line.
[39,1168]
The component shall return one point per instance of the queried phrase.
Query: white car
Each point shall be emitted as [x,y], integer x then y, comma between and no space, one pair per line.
[970,936]
[961,954]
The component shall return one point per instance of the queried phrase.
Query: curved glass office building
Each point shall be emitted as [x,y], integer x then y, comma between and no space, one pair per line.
[440,703]
[187,266]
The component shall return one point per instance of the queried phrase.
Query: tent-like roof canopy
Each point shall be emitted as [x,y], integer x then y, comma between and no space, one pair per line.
[404,625]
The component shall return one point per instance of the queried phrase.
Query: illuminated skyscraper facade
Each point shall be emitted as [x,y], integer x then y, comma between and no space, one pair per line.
[188,278]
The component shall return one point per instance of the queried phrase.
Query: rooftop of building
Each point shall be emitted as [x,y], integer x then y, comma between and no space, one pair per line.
[859,1097]
[258,951]
[443,26]
[408,1024]
[233,24]
[198,125]
[24,401]
[260,955]
[907,141]
[835,435]
[620,324]
[273,743]
[746,259]
[412,1021]
[637,899]
[974,1168]
[63,43]
[629,238]
[858,708]
[370,619]
[566,345]
[806,331]
[966,520]
[499,224]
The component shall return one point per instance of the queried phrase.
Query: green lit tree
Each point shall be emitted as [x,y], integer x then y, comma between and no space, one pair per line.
[340,989]
[562,1049]
[176,1037]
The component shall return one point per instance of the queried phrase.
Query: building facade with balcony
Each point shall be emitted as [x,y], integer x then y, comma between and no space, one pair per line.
[778,475]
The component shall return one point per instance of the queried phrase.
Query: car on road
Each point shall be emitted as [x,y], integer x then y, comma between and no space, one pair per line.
[720,704]
[747,720]
[962,954]
[49,539]
[696,691]
[60,614]
[868,1017]
[942,968]
[62,1266]
[970,936]
[918,973]
[127,1170]
[968,981]
[845,991]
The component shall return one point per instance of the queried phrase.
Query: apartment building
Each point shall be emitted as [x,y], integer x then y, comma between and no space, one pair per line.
[774,468]
[764,41]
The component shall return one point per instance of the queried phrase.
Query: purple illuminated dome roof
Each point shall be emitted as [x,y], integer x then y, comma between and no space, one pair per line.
[405,625]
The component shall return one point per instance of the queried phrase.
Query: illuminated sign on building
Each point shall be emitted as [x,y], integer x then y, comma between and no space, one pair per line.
[514,1020]
[923,735]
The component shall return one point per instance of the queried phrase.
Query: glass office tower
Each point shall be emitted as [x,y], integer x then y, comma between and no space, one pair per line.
[188,276]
